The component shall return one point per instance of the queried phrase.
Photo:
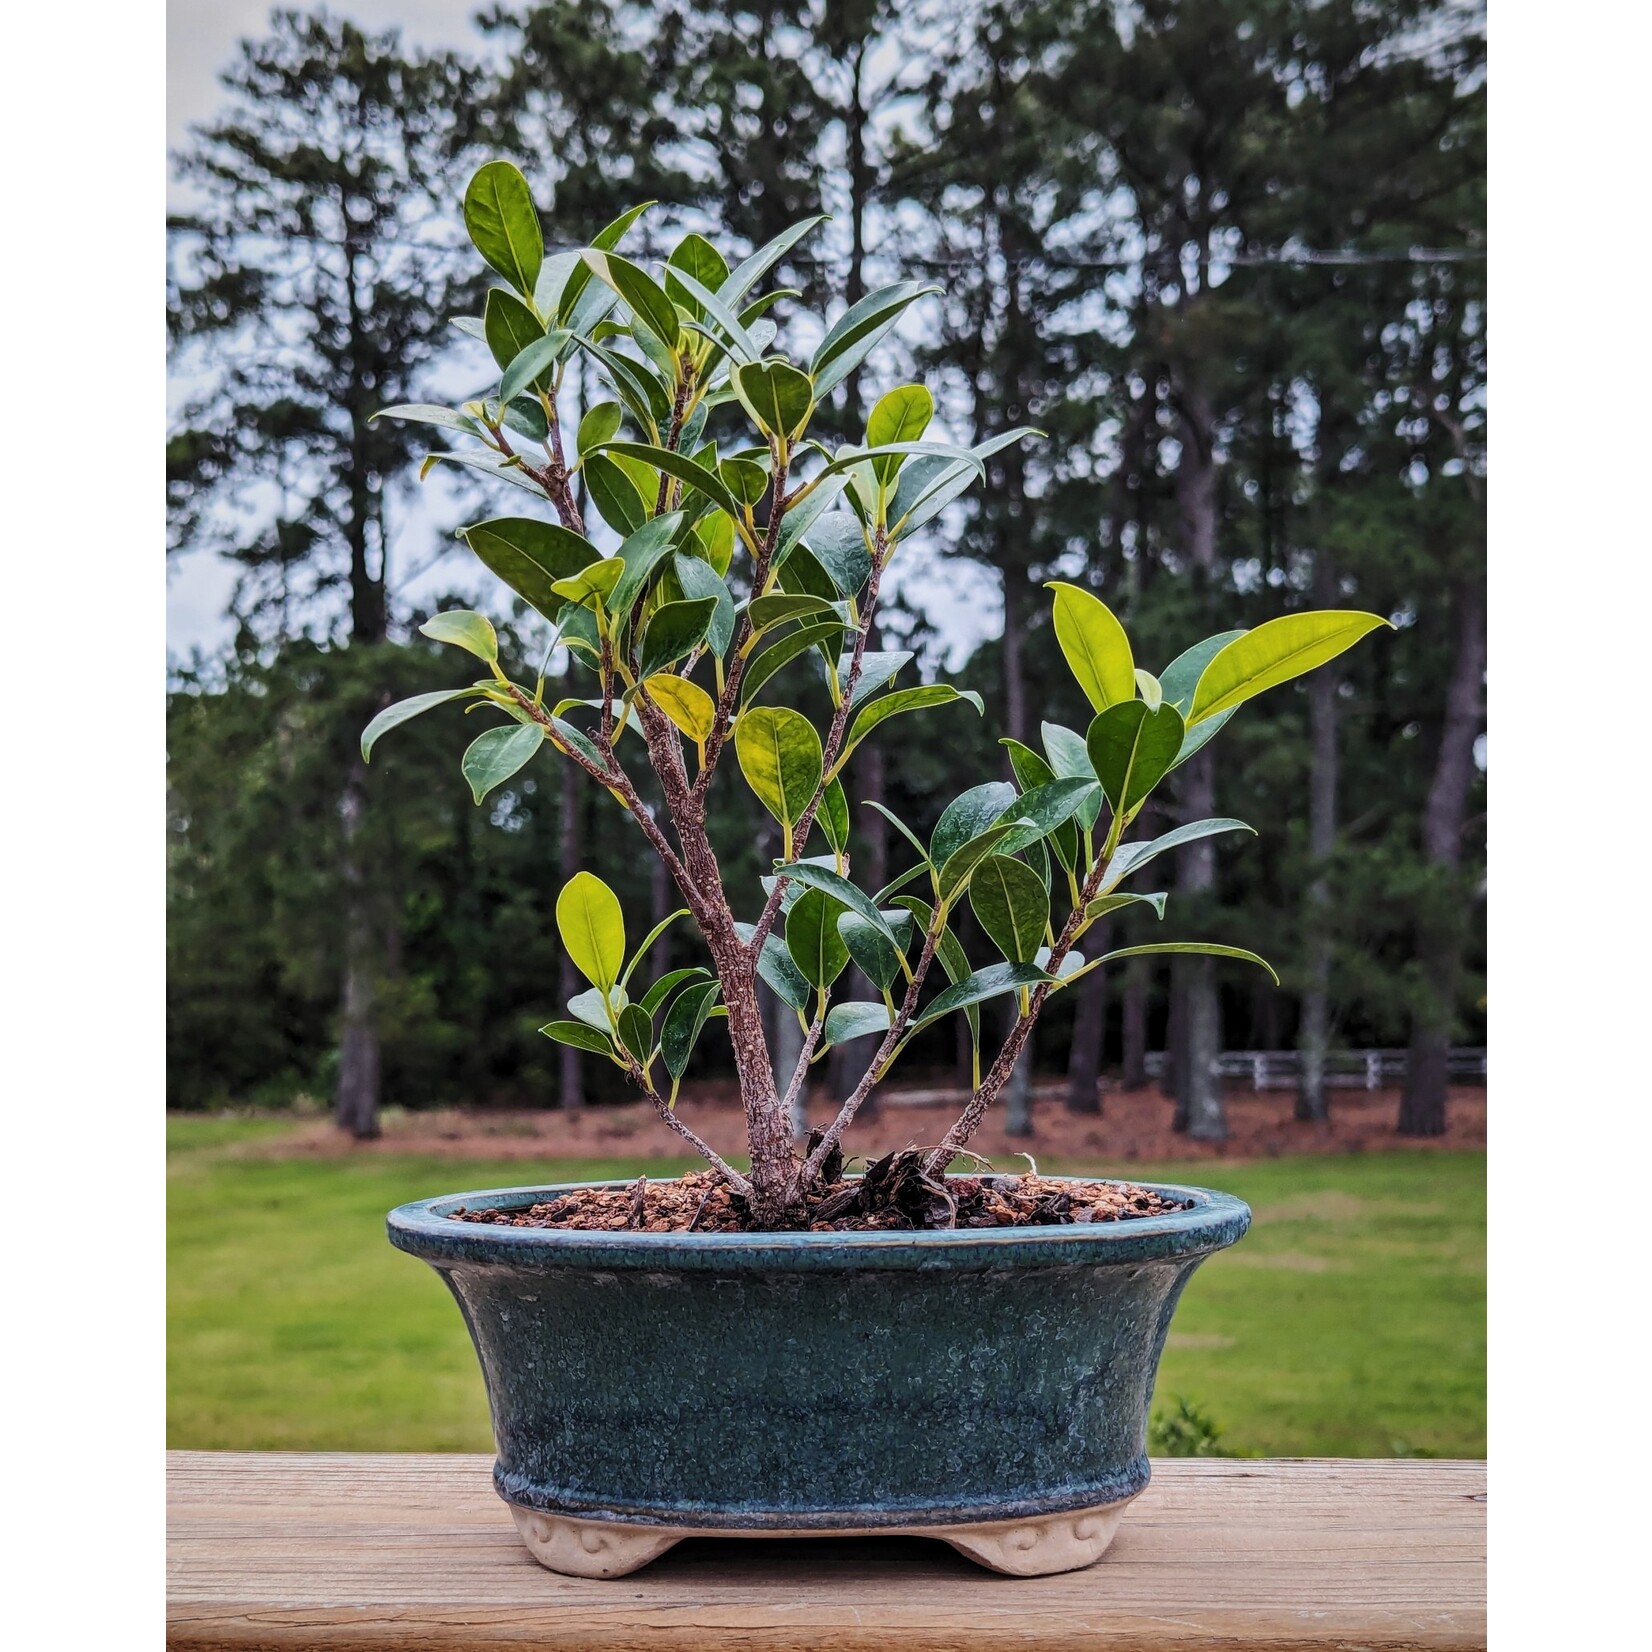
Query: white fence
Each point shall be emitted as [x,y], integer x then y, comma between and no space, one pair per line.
[1344,1069]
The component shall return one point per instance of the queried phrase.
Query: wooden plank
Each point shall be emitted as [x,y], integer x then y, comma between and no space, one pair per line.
[323,1552]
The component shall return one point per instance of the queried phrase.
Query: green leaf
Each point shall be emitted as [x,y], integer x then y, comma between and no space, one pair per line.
[848,457]
[531,556]
[470,631]
[717,320]
[901,827]
[527,418]
[1071,761]
[967,816]
[813,940]
[1047,807]
[716,536]
[992,982]
[749,273]
[592,927]
[927,488]
[811,875]
[673,630]
[600,425]
[959,867]
[847,1022]
[532,368]
[700,579]
[783,652]
[901,415]
[1130,857]
[777,396]
[552,285]
[636,1030]
[834,816]
[502,223]
[877,667]
[1013,906]
[1095,646]
[1132,750]
[767,612]
[393,716]
[580,1036]
[950,951]
[494,756]
[851,337]
[1103,904]
[648,303]
[870,947]
[1181,677]
[695,257]
[641,553]
[1274,653]
[429,413]
[683,468]
[1208,948]
[686,704]
[682,1026]
[614,494]
[746,481]
[597,1008]
[875,712]
[578,278]
[591,585]
[775,967]
[839,545]
[779,755]
[509,327]
[635,385]
[661,989]
[1033,772]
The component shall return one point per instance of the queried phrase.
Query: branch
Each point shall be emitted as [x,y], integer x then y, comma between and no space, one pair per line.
[669,1114]
[810,1040]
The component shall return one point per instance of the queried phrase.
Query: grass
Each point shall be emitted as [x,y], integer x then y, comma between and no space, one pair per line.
[1349,1322]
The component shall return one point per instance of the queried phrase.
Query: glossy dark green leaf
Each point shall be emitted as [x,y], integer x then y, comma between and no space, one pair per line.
[927,487]
[393,716]
[647,301]
[849,339]
[636,1032]
[1012,905]
[874,712]
[695,257]
[527,418]
[674,630]
[834,816]
[509,326]
[839,544]
[614,494]
[1047,807]
[662,989]
[776,969]
[992,982]
[1131,857]
[642,552]
[767,612]
[579,299]
[498,753]
[813,940]
[748,482]
[1132,749]
[967,816]
[700,579]
[847,1022]
[636,384]
[680,466]
[959,867]
[777,396]
[879,961]
[682,1025]
[783,652]
[718,321]
[530,556]
[502,223]
[747,274]
[950,953]
[600,425]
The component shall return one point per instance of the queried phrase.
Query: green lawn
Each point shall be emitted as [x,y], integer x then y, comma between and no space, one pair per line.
[1350,1322]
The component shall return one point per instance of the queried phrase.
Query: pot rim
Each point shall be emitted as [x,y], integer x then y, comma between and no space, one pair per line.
[424,1228]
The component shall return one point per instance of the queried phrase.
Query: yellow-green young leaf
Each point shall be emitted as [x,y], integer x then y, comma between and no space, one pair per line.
[1013,906]
[1150,689]
[472,632]
[500,216]
[494,756]
[592,927]
[902,415]
[779,755]
[776,395]
[1275,652]
[594,585]
[686,704]
[716,536]
[1095,646]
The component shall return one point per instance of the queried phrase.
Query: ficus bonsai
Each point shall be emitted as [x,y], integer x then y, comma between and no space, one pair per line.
[748,552]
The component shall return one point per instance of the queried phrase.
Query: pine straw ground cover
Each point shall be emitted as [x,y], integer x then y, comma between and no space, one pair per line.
[1349,1322]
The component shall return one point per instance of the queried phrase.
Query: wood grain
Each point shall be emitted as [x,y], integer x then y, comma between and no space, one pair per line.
[277,1550]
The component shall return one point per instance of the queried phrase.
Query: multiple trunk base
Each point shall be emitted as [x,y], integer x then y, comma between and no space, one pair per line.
[1038,1547]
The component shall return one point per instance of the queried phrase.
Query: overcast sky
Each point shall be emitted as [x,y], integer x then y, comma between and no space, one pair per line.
[961,599]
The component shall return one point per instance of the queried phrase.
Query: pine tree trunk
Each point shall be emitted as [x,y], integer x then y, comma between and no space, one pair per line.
[1199,1088]
[356,1101]
[1134,1074]
[1089,1023]
[1314,1035]
[1423,1102]
[570,1068]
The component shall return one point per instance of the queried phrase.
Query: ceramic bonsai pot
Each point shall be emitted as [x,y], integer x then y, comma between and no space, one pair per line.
[987,1387]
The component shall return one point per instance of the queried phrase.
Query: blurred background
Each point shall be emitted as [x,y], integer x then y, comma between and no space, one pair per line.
[1229,255]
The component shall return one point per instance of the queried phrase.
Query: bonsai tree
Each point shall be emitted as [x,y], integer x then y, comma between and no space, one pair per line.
[747,555]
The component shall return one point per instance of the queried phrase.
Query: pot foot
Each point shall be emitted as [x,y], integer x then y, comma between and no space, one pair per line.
[591,1548]
[1038,1547]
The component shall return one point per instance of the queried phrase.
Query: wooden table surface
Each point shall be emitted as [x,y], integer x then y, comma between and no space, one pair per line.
[278,1550]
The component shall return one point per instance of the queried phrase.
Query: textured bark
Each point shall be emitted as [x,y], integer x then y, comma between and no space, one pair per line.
[1089,1023]
[356,1101]
[786,1043]
[1423,1101]
[1314,1034]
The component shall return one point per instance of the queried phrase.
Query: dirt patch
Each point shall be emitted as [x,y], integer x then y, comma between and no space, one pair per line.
[894,1195]
[1134,1127]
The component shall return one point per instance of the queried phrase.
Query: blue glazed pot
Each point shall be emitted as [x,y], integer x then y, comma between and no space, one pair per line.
[990,1387]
